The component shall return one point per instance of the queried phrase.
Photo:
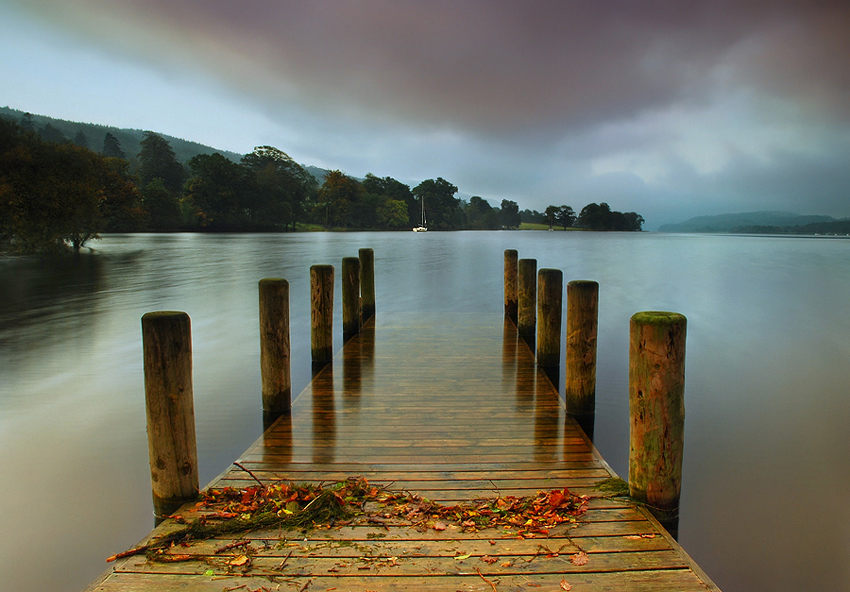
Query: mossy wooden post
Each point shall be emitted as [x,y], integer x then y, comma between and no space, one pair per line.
[526,297]
[511,256]
[321,313]
[367,283]
[351,309]
[274,346]
[657,410]
[550,295]
[582,323]
[167,345]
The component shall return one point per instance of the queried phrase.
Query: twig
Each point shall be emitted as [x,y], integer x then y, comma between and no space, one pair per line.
[283,563]
[235,588]
[498,491]
[492,585]
[253,476]
[306,585]
[230,546]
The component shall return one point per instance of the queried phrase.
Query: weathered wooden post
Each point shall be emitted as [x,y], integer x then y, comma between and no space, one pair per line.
[274,345]
[511,256]
[657,411]
[321,313]
[582,322]
[167,345]
[351,310]
[367,283]
[550,288]
[526,297]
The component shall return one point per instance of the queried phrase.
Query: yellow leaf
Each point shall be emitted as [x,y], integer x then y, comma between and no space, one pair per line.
[239,561]
[565,585]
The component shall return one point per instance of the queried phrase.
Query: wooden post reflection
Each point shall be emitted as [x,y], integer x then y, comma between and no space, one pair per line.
[511,256]
[527,299]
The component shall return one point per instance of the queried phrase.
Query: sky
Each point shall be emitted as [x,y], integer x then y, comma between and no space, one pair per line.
[668,108]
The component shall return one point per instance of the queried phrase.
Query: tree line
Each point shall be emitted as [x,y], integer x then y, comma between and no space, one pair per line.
[593,216]
[54,192]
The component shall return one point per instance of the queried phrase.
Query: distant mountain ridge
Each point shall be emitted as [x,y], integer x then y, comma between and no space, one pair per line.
[130,139]
[733,222]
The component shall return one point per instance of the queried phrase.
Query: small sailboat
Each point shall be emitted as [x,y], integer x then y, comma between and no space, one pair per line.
[423,224]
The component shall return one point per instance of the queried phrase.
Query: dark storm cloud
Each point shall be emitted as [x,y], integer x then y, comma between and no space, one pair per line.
[510,66]
[657,102]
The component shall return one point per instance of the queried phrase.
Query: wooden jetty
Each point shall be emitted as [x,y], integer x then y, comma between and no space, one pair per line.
[451,407]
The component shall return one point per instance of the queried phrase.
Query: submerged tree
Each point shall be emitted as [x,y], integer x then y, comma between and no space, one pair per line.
[53,195]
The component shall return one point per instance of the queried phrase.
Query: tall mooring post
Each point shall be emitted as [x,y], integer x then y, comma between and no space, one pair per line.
[657,412]
[582,323]
[275,346]
[367,283]
[550,292]
[351,310]
[527,298]
[511,257]
[167,345]
[321,314]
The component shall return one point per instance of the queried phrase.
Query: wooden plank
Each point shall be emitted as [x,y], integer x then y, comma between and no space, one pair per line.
[414,408]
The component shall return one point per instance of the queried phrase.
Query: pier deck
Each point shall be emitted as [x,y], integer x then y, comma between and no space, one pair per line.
[451,408]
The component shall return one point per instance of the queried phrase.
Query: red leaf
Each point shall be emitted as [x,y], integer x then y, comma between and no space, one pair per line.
[579,558]
[565,585]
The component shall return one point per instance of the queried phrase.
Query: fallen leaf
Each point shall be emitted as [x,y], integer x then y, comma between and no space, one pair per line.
[579,558]
[565,585]
[239,561]
[647,536]
[489,559]
[633,537]
[440,526]
[462,557]
[507,564]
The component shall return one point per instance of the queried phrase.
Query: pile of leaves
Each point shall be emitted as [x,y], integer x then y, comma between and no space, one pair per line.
[229,511]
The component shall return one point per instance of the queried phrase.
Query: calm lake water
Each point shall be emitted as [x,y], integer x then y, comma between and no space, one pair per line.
[767,451]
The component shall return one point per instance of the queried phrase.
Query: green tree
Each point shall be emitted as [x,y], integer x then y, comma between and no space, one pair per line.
[216,194]
[393,214]
[392,189]
[341,196]
[161,206]
[442,208]
[158,161]
[280,188]
[565,216]
[51,134]
[509,216]
[112,147]
[81,139]
[480,215]
[53,195]
[551,214]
